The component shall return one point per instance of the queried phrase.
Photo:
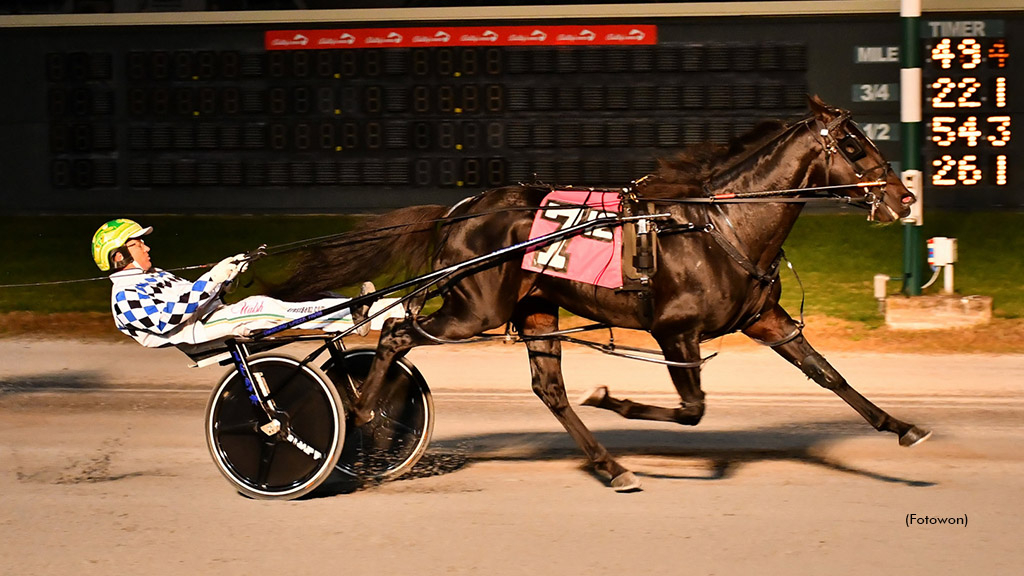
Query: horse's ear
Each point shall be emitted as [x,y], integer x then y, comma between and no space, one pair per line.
[818,106]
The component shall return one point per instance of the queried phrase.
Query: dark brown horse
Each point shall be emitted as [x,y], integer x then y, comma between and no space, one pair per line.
[718,279]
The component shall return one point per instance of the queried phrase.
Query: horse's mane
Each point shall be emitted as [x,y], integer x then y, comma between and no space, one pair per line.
[685,174]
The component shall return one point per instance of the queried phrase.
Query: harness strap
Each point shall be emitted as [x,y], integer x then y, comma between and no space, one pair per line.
[799,328]
[787,339]
[762,276]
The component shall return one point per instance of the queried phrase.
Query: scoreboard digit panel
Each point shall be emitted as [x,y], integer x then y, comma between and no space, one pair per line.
[399,116]
[263,117]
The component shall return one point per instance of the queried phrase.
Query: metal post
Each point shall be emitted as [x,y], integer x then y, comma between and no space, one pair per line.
[910,116]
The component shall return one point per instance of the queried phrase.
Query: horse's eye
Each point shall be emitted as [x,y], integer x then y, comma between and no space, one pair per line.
[854,151]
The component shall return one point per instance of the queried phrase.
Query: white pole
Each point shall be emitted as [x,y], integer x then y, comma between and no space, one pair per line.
[947,279]
[910,118]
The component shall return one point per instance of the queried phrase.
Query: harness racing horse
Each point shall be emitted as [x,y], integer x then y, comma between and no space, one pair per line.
[717,274]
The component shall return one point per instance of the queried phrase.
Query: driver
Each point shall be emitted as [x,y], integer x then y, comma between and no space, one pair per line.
[157,308]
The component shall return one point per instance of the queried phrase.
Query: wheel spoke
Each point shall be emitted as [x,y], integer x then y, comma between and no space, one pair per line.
[267,453]
[360,440]
[399,426]
[242,428]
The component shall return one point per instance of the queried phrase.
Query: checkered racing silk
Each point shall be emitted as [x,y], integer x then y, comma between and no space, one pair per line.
[160,309]
[151,306]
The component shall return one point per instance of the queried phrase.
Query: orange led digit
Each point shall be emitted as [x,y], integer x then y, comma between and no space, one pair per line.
[941,53]
[970,53]
[1000,126]
[968,131]
[998,54]
[1001,170]
[942,133]
[968,172]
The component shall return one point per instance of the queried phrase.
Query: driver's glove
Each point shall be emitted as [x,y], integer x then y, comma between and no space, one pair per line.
[227,269]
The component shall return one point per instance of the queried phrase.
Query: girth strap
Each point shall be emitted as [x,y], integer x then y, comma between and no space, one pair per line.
[752,314]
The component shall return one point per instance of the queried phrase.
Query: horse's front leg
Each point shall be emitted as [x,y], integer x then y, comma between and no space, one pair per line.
[535,317]
[776,326]
[682,349]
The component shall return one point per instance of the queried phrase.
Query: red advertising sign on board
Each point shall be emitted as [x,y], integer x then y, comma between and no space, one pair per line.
[561,35]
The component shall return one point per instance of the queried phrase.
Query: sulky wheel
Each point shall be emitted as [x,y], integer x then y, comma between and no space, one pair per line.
[390,444]
[276,462]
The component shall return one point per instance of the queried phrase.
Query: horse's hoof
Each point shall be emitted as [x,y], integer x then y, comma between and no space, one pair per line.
[593,397]
[626,482]
[363,418]
[914,436]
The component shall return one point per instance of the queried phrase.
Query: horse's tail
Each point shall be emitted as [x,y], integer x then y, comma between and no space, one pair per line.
[400,242]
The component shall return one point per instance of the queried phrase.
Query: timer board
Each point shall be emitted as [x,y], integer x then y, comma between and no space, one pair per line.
[968,110]
[336,117]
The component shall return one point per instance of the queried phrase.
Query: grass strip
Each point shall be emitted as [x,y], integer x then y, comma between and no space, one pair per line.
[836,257]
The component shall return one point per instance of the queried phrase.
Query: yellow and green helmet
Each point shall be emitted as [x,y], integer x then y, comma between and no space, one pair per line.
[112,236]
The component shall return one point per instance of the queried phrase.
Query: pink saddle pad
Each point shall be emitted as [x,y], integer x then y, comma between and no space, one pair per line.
[593,257]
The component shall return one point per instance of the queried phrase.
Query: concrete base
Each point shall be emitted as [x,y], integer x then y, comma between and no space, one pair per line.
[937,312]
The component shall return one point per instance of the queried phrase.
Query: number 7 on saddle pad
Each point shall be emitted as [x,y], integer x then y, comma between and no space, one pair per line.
[593,257]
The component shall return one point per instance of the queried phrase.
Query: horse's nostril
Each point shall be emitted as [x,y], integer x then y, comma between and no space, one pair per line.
[907,198]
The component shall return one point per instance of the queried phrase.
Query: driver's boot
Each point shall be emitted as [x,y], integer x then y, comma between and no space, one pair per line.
[359,313]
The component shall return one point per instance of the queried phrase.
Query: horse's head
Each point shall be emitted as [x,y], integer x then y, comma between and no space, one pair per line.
[852,158]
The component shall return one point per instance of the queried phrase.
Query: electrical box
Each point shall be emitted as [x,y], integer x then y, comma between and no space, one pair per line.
[941,251]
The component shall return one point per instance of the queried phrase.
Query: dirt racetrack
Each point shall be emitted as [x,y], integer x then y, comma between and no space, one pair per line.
[105,471]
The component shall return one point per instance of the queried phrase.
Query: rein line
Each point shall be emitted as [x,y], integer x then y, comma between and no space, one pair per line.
[770,196]
[96,278]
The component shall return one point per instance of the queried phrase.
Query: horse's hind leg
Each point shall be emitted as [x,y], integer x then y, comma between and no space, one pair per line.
[677,348]
[455,320]
[396,338]
[538,317]
[777,325]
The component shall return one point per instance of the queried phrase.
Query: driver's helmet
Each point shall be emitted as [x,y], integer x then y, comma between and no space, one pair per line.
[113,235]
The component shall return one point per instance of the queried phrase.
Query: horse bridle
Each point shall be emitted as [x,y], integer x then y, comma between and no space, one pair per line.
[848,146]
